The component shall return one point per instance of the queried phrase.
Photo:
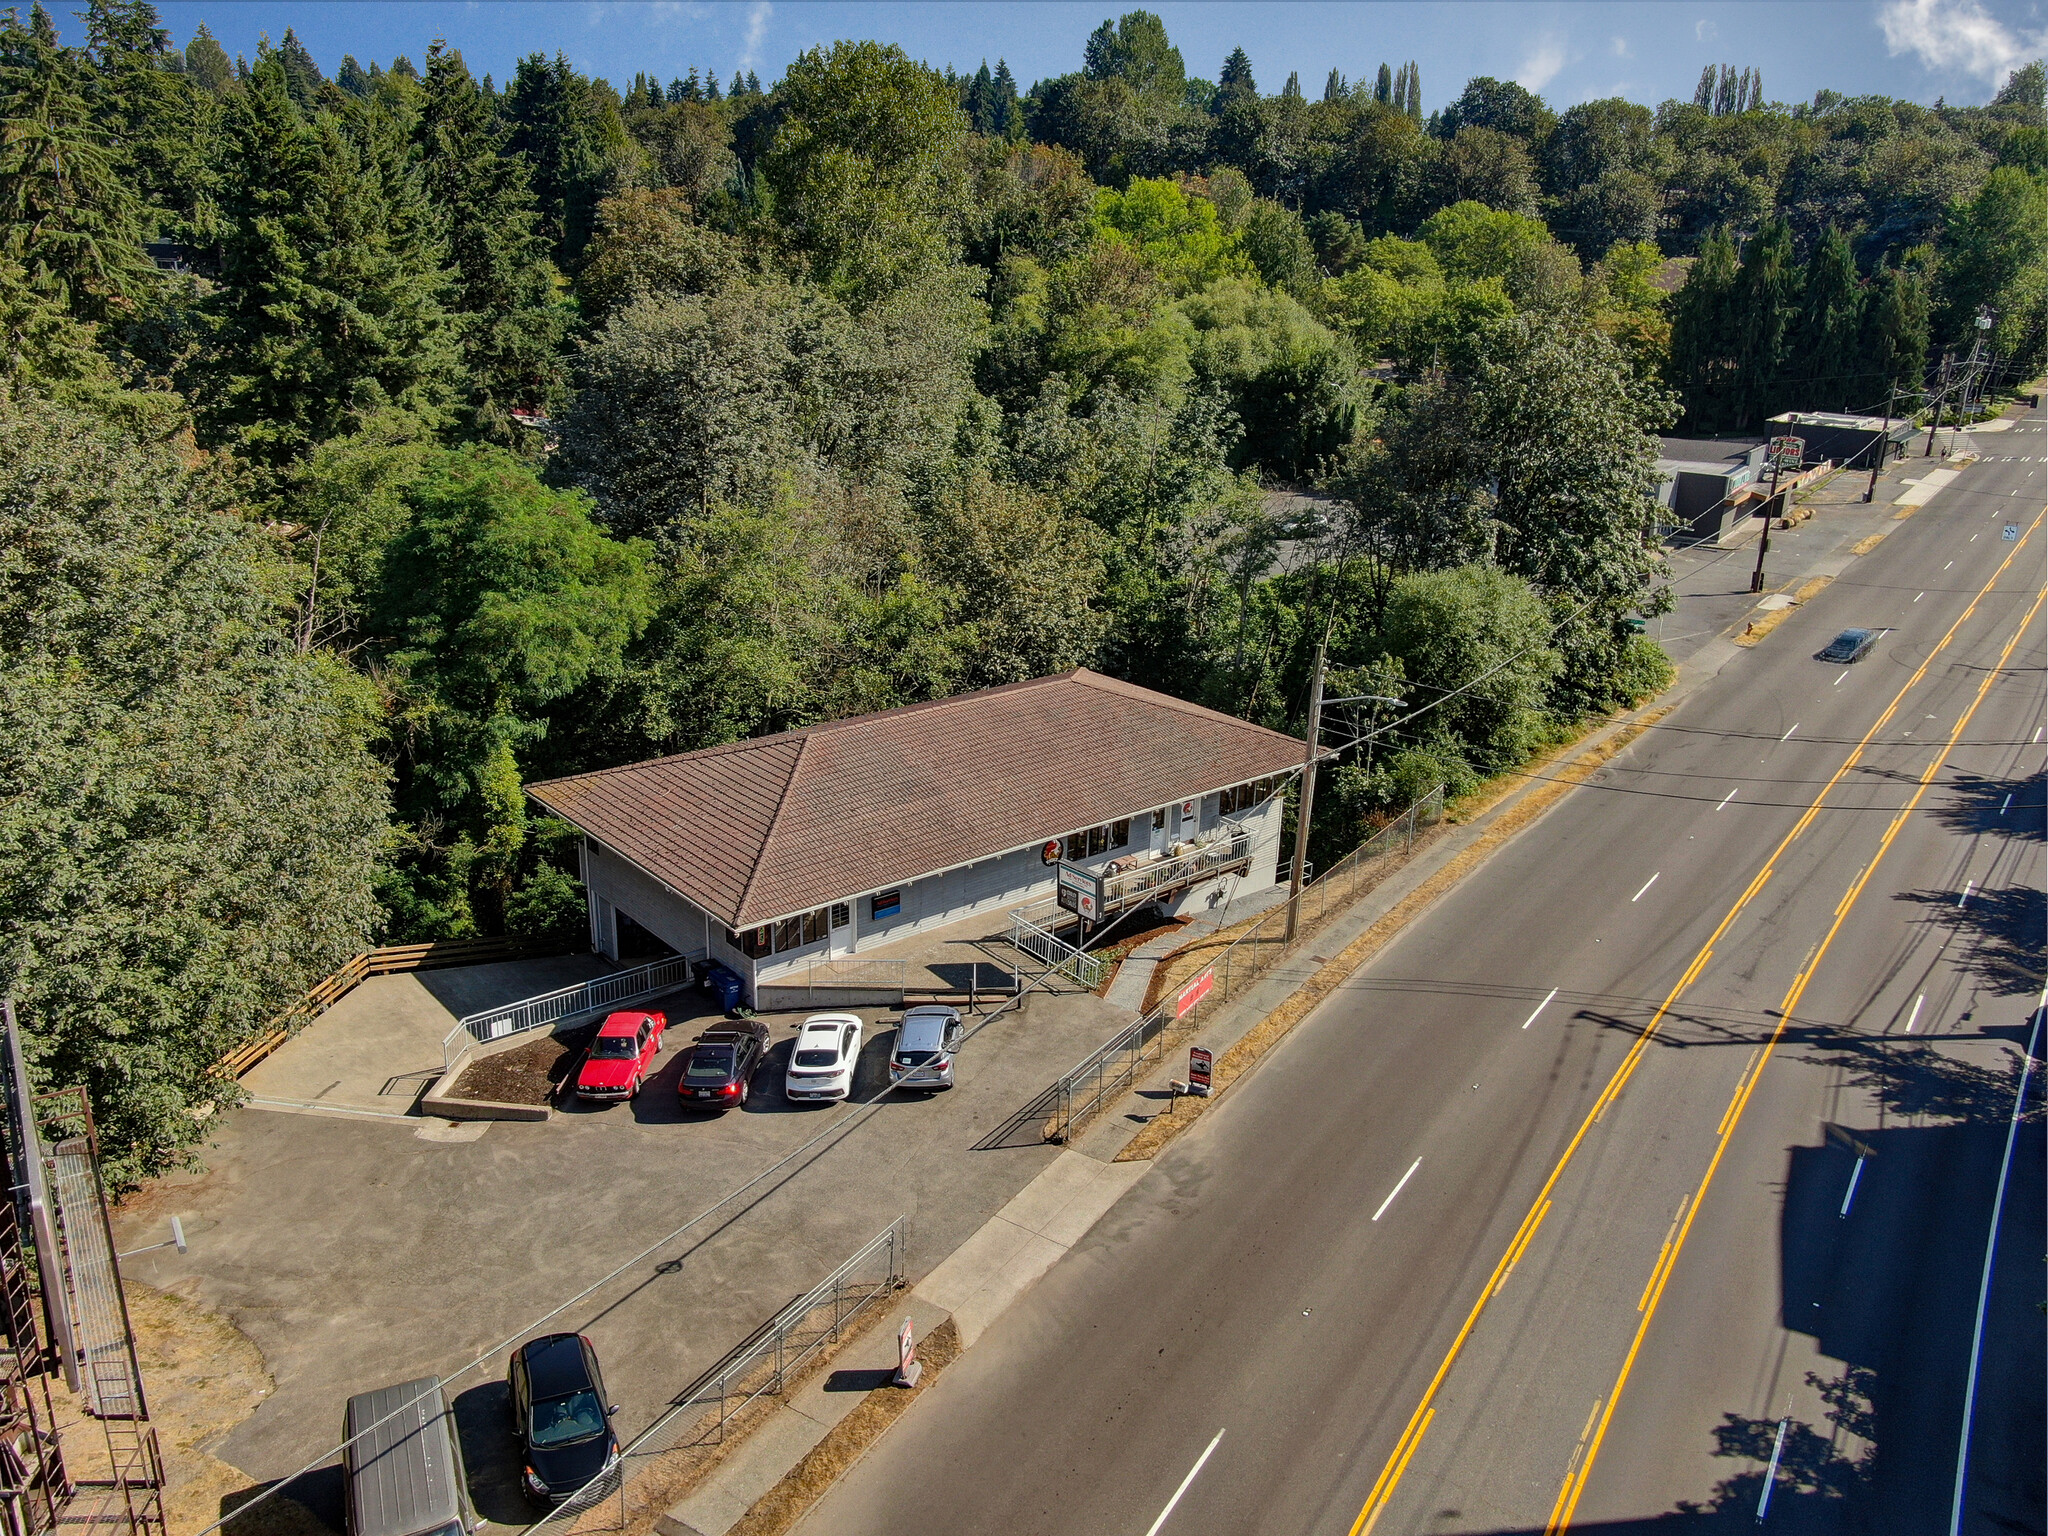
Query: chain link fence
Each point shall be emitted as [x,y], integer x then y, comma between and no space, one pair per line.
[1113,1067]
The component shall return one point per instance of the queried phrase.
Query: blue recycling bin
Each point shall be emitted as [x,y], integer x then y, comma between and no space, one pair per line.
[726,984]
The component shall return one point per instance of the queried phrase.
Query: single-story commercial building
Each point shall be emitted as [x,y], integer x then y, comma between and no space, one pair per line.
[1832,437]
[839,839]
[1710,483]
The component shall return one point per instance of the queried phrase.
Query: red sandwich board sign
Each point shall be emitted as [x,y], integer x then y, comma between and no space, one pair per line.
[1193,993]
[1198,1072]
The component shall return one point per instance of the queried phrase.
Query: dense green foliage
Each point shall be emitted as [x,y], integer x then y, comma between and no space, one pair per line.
[370,446]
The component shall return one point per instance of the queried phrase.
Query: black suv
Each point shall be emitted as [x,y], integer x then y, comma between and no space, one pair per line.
[561,1417]
[719,1065]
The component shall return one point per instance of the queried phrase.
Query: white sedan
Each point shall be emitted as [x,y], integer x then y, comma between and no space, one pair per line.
[821,1062]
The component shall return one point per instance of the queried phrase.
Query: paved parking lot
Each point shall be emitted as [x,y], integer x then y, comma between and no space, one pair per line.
[357,1251]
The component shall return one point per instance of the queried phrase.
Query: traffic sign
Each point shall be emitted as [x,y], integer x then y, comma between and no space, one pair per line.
[2012,532]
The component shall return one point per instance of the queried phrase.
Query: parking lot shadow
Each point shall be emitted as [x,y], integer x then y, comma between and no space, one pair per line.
[317,1492]
[483,1418]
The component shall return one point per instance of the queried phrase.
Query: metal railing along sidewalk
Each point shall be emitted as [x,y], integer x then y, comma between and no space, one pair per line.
[767,1362]
[595,996]
[1115,1065]
[1029,935]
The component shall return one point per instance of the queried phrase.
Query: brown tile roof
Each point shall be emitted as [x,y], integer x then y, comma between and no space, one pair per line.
[782,824]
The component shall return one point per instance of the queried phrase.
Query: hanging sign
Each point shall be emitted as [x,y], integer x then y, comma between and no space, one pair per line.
[1193,993]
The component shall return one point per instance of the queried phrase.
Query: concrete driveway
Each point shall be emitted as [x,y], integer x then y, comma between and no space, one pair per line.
[357,1249]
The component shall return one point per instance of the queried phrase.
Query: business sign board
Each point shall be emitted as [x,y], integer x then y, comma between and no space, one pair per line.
[1788,452]
[1080,890]
[1198,1072]
[1193,993]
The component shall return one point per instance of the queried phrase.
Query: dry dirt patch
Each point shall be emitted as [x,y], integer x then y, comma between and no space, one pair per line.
[528,1075]
[203,1377]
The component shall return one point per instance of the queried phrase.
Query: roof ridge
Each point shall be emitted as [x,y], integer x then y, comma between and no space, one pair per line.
[774,826]
[1107,684]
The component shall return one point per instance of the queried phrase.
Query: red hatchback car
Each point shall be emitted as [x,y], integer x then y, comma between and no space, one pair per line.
[621,1058]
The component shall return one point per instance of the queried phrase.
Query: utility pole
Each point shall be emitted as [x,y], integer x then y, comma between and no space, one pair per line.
[1308,788]
[1884,443]
[1756,580]
[1940,400]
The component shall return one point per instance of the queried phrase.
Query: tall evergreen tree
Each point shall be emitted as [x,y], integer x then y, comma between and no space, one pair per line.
[1009,112]
[1291,91]
[72,220]
[144,104]
[557,128]
[329,305]
[301,75]
[1236,82]
[510,323]
[1766,301]
[1334,88]
[1827,337]
[1894,349]
[1383,85]
[1703,93]
[1703,335]
[207,63]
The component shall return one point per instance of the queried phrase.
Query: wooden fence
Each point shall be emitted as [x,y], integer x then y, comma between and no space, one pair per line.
[376,962]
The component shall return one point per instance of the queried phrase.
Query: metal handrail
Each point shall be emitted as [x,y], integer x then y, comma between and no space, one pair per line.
[1205,858]
[726,1384]
[1113,1066]
[1076,964]
[550,1008]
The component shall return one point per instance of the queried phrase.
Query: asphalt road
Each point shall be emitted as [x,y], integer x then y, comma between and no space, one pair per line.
[1537,1223]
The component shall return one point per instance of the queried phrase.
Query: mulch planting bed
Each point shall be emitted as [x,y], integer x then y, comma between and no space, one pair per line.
[527,1075]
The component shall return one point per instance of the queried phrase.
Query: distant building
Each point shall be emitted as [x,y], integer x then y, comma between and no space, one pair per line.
[772,854]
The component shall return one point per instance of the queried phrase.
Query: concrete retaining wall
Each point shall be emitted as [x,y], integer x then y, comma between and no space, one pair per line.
[437,1101]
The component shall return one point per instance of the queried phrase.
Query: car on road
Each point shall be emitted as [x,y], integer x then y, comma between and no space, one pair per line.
[621,1058]
[822,1060]
[1850,645]
[561,1417]
[721,1064]
[926,1041]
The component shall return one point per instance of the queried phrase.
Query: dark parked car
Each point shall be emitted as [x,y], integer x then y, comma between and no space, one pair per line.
[720,1064]
[561,1417]
[1850,645]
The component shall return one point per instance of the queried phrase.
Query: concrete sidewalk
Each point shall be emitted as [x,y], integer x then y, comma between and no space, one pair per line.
[972,1286]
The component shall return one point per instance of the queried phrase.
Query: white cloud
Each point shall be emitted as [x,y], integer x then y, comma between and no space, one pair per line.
[1705,30]
[1620,47]
[1542,65]
[1956,37]
[757,28]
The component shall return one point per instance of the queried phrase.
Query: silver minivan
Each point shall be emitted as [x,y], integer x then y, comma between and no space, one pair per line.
[926,1041]
[402,1472]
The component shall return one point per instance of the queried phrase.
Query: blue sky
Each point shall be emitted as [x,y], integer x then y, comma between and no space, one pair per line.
[1569,50]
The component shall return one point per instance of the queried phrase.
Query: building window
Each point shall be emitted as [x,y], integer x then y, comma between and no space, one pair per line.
[755,943]
[842,914]
[1244,796]
[885,904]
[1159,819]
[1115,834]
[814,926]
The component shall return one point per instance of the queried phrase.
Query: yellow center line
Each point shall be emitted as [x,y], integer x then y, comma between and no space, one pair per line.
[1661,1276]
[1397,1460]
